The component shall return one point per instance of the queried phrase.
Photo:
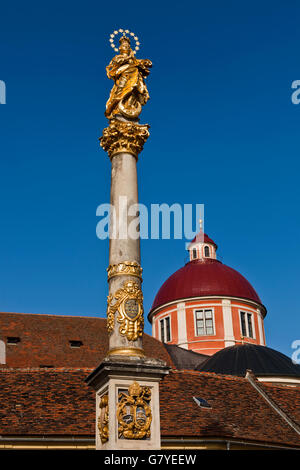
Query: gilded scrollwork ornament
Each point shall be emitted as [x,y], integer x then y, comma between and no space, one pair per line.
[127,302]
[103,419]
[134,413]
[131,268]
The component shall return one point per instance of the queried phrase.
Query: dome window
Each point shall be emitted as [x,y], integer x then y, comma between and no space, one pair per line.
[246,324]
[206,252]
[194,253]
[165,330]
[204,322]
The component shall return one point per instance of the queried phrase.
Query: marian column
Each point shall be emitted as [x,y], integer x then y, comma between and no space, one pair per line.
[123,140]
[126,382]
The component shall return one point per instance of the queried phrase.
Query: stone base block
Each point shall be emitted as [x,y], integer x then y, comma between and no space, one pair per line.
[127,403]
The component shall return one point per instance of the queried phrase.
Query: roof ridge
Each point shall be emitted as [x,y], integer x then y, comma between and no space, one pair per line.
[44,369]
[284,386]
[54,315]
[271,402]
[200,372]
[190,351]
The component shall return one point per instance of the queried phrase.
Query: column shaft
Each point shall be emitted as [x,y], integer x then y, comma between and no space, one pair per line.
[124,253]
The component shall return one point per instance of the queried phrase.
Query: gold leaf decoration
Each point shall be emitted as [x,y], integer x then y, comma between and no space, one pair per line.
[103,419]
[124,137]
[134,413]
[131,268]
[128,302]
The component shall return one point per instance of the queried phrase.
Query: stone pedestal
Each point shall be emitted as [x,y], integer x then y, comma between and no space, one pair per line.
[127,402]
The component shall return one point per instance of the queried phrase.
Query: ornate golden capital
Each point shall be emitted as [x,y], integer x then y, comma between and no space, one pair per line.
[128,302]
[134,413]
[125,137]
[131,268]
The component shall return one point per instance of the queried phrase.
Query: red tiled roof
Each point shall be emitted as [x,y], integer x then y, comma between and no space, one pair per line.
[289,403]
[39,402]
[237,410]
[45,341]
[36,401]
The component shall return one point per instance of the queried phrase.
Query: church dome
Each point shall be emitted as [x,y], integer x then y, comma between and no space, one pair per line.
[204,278]
[205,305]
[263,361]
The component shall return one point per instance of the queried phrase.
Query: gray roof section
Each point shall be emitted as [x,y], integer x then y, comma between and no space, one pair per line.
[263,361]
[183,358]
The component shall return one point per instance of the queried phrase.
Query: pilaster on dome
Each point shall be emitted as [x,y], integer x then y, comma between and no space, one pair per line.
[202,247]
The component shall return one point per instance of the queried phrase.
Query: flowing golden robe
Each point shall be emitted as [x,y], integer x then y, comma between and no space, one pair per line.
[129,92]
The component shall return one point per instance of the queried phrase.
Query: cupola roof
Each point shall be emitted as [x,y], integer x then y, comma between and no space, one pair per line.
[205,277]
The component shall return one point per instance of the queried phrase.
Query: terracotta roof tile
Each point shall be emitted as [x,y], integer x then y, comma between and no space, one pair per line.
[57,401]
[35,402]
[45,340]
[287,397]
[237,410]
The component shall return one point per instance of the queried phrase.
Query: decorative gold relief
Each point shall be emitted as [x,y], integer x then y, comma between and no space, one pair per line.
[134,413]
[103,419]
[129,92]
[110,313]
[124,137]
[131,268]
[129,305]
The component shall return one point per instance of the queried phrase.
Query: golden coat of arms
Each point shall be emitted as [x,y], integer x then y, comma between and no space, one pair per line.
[129,305]
[134,413]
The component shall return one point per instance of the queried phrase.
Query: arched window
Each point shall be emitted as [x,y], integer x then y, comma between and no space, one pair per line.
[194,253]
[206,251]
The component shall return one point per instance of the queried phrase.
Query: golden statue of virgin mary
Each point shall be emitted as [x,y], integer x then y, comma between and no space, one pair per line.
[129,92]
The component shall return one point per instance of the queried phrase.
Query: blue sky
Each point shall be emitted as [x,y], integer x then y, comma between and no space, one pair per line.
[224,133]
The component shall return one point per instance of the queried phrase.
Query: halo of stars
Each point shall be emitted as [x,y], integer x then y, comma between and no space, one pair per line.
[124,32]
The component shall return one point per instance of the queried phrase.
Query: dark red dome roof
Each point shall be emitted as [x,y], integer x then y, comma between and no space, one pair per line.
[201,278]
